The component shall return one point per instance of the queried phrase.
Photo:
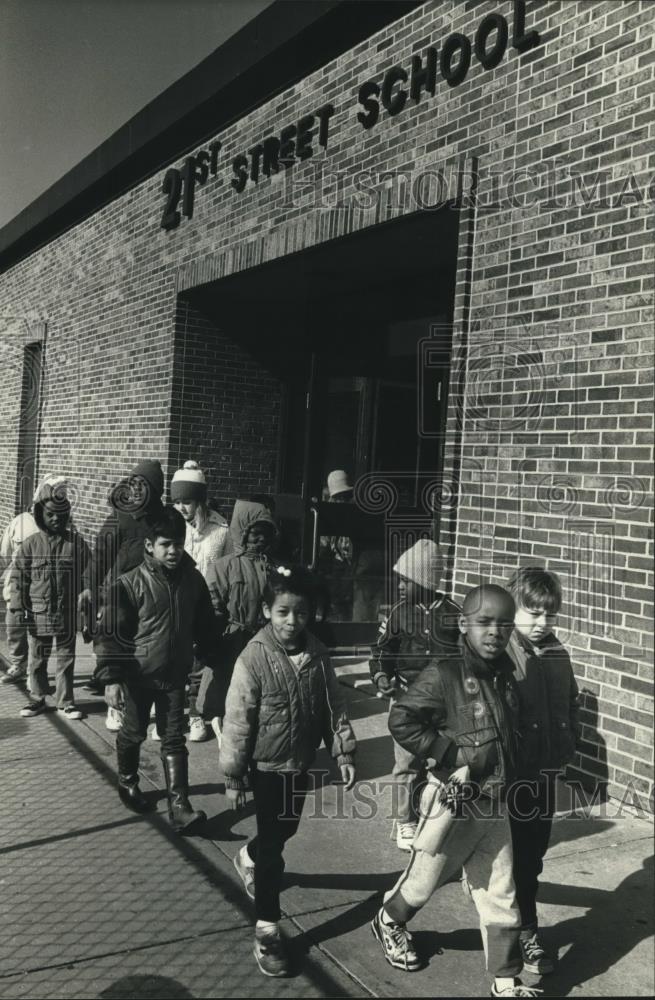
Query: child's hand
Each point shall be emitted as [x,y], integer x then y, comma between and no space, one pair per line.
[114,696]
[384,685]
[236,797]
[348,775]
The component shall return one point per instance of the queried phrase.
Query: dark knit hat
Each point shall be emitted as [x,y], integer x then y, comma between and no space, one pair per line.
[189,484]
[151,471]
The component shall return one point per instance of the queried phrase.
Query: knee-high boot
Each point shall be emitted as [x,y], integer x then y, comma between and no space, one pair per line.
[128,778]
[180,811]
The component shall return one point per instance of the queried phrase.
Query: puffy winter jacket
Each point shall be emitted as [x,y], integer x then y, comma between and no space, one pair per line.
[149,625]
[549,704]
[277,715]
[236,582]
[48,573]
[462,710]
[412,636]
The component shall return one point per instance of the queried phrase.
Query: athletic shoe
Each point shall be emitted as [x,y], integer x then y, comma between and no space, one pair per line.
[114,719]
[405,833]
[246,870]
[270,953]
[397,944]
[197,729]
[14,676]
[71,712]
[154,735]
[517,990]
[33,708]
[535,959]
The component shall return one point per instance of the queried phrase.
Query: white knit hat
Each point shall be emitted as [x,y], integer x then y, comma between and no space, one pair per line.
[338,482]
[189,483]
[422,563]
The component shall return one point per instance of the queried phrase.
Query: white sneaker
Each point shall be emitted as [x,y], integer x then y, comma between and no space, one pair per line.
[71,712]
[197,729]
[114,719]
[405,833]
[154,735]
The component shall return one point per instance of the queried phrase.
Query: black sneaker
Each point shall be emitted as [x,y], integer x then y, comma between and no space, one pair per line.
[33,708]
[534,957]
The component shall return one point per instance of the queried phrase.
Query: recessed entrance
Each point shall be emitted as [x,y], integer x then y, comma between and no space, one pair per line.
[358,331]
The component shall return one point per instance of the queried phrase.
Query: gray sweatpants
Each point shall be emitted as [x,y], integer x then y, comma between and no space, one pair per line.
[482,845]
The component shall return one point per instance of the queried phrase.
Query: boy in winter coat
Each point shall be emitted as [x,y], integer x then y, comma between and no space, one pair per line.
[284,700]
[49,577]
[150,622]
[421,626]
[236,583]
[18,529]
[462,713]
[548,731]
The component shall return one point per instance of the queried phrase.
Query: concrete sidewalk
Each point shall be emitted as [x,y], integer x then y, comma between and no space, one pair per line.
[99,903]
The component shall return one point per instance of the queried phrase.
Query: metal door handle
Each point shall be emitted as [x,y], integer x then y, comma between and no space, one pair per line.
[314,539]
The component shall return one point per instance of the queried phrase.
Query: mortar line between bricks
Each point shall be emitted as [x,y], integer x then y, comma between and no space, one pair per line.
[122,951]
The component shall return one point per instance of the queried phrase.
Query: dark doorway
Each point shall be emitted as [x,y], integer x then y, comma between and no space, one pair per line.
[345,326]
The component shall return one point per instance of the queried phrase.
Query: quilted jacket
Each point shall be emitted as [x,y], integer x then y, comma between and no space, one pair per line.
[277,714]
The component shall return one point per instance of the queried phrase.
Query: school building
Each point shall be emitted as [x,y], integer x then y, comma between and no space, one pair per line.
[411,241]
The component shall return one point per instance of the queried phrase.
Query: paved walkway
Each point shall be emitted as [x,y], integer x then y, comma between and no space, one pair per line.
[98,903]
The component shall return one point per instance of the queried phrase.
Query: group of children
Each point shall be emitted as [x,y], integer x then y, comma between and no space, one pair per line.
[483,697]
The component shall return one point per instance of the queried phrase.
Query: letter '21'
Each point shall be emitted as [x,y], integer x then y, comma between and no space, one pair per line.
[171,186]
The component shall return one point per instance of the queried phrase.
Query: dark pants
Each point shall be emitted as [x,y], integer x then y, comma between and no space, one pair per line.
[195,678]
[279,800]
[169,716]
[531,820]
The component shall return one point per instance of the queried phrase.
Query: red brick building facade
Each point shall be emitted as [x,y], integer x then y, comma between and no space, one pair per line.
[517,195]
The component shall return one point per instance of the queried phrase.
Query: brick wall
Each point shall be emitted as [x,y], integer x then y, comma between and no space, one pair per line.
[225,411]
[548,435]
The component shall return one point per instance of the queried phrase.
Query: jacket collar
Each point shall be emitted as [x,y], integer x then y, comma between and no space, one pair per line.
[481,668]
[313,646]
[156,568]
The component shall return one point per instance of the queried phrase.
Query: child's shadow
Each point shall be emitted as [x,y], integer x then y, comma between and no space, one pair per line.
[616,921]
[219,827]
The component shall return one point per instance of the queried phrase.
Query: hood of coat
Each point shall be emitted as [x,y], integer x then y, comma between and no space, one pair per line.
[246,513]
[139,494]
[54,488]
